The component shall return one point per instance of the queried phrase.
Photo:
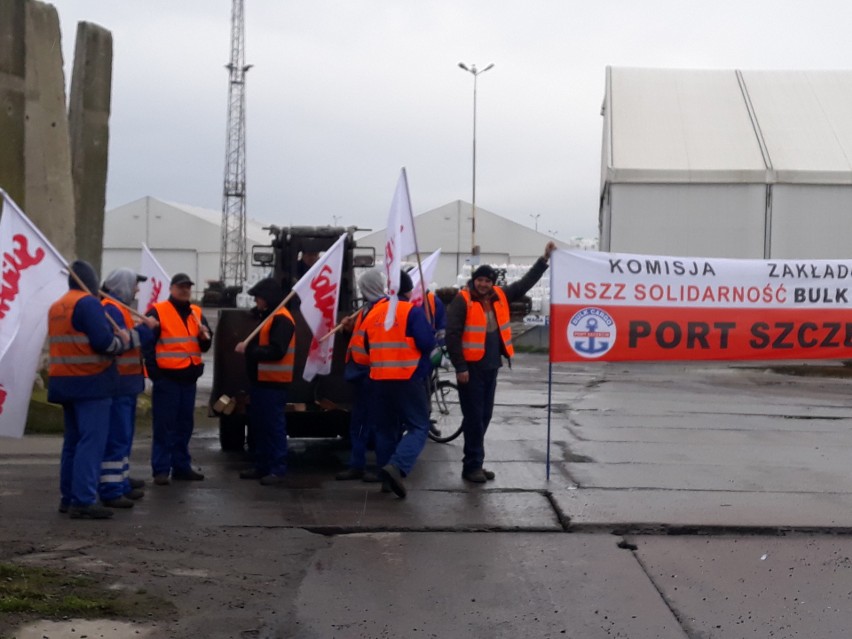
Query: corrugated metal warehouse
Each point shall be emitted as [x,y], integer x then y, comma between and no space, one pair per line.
[727,163]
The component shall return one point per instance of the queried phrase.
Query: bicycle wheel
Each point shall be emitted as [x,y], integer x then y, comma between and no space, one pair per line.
[446,415]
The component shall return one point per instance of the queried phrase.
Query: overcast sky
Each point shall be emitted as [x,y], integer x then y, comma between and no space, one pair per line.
[345,92]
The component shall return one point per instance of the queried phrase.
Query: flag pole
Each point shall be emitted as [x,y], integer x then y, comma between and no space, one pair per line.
[426,305]
[130,309]
[549,397]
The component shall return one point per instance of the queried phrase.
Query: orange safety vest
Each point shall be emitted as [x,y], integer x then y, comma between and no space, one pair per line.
[357,350]
[178,344]
[280,370]
[71,354]
[392,354]
[130,361]
[475,325]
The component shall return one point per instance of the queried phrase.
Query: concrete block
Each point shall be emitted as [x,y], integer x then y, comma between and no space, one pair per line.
[49,187]
[88,115]
[12,98]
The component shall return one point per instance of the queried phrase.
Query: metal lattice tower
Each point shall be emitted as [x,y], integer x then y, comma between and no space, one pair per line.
[232,259]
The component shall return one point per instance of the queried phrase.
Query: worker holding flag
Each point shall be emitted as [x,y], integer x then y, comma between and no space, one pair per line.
[84,379]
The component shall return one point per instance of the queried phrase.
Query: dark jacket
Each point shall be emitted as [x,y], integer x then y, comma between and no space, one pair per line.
[280,333]
[457,314]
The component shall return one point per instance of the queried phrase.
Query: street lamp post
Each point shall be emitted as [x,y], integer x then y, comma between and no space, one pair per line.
[535,217]
[474,249]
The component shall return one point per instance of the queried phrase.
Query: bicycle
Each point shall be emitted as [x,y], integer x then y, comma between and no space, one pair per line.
[446,415]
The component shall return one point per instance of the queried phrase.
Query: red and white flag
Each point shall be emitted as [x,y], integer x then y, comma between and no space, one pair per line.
[319,292]
[156,288]
[427,268]
[34,275]
[400,241]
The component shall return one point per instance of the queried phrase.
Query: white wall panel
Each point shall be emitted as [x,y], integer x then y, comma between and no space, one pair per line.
[811,221]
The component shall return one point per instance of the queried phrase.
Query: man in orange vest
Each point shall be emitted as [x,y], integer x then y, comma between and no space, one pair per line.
[478,337]
[270,357]
[174,366]
[117,489]
[84,379]
[399,366]
[362,429]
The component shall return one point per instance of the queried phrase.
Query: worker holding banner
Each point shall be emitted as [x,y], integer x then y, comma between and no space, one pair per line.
[478,336]
[270,357]
[84,379]
[117,489]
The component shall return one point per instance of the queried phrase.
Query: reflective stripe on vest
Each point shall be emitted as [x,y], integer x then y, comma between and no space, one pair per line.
[70,351]
[280,370]
[476,325]
[357,351]
[392,355]
[178,344]
[130,361]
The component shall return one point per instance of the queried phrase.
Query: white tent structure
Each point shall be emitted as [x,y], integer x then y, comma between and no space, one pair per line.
[183,238]
[448,228]
[727,163]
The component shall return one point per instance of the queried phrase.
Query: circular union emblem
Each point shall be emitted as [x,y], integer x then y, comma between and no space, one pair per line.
[591,332]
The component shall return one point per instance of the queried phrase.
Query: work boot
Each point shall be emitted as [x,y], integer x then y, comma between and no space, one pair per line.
[371,478]
[89,512]
[187,475]
[121,502]
[250,474]
[386,487]
[134,494]
[489,475]
[162,480]
[393,478]
[477,476]
[272,480]
[136,483]
[349,473]
[63,506]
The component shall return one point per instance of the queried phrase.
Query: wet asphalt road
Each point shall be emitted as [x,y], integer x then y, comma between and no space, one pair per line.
[701,500]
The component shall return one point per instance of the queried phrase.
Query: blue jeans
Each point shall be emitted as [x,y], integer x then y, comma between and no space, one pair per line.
[269,425]
[86,429]
[477,404]
[115,467]
[400,402]
[172,412]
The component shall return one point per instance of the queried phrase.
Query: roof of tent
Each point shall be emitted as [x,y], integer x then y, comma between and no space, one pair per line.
[727,126]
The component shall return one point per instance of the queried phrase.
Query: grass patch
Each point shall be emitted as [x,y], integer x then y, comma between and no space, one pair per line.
[45,418]
[29,592]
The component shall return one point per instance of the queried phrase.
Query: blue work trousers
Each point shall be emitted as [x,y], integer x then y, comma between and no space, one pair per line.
[172,412]
[477,404]
[115,467]
[361,423]
[269,426]
[400,402]
[86,429]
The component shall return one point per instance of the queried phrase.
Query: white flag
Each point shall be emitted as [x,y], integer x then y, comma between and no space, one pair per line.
[427,268]
[34,276]
[400,242]
[319,292]
[156,288]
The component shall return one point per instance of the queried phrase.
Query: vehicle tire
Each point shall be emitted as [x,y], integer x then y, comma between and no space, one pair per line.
[446,413]
[232,432]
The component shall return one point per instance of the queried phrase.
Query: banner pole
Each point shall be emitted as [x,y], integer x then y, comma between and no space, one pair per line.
[549,397]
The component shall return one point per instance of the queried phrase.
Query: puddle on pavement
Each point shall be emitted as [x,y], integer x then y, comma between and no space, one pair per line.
[83,627]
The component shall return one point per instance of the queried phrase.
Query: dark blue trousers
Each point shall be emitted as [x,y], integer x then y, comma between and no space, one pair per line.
[115,466]
[86,429]
[477,404]
[269,426]
[172,412]
[400,402]
[361,426]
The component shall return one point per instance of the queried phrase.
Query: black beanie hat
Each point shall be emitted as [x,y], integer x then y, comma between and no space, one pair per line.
[405,283]
[485,271]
